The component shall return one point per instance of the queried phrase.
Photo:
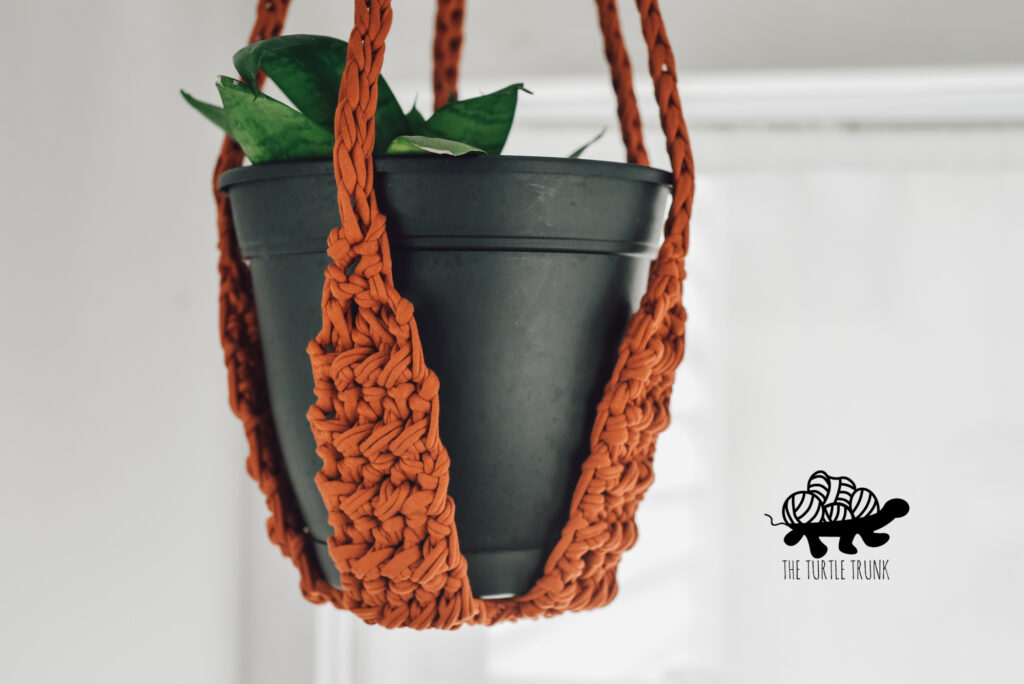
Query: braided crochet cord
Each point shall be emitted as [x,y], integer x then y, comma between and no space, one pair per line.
[247,389]
[447,49]
[622,81]
[385,471]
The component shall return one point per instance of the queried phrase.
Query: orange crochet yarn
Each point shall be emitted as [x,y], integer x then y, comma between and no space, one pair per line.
[385,471]
[447,49]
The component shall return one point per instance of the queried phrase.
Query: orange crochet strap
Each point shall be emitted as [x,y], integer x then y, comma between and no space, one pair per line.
[447,49]
[385,472]
[622,81]
[247,390]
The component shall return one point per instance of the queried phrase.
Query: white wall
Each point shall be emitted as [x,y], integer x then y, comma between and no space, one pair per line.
[851,299]
[536,37]
[872,332]
[125,506]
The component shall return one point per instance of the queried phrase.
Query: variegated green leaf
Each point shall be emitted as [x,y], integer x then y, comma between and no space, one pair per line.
[269,130]
[418,144]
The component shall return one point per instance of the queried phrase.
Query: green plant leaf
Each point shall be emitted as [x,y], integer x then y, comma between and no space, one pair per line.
[269,130]
[415,119]
[482,122]
[580,150]
[211,112]
[306,68]
[419,144]
[308,71]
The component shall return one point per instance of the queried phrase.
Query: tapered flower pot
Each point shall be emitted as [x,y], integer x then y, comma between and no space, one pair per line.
[523,272]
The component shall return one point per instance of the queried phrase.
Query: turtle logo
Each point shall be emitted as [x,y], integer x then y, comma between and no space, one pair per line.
[836,507]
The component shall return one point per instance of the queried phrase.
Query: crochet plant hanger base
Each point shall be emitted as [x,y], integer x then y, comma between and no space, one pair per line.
[385,471]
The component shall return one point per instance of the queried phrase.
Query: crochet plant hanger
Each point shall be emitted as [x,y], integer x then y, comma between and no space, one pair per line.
[385,471]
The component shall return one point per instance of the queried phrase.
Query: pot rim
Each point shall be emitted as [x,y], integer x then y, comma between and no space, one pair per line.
[440,164]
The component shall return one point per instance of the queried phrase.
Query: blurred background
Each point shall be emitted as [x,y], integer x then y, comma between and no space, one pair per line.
[853,282]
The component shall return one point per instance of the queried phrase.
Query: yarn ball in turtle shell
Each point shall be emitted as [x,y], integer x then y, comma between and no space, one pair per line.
[837,512]
[863,503]
[831,489]
[817,484]
[801,508]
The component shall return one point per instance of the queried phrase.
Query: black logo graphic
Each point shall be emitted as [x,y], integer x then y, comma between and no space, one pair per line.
[836,507]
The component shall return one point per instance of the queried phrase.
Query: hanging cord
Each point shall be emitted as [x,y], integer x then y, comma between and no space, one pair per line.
[622,81]
[661,63]
[447,49]
[247,389]
[385,474]
[375,420]
[384,479]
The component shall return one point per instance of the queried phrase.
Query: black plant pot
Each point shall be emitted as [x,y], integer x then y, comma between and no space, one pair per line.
[523,272]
